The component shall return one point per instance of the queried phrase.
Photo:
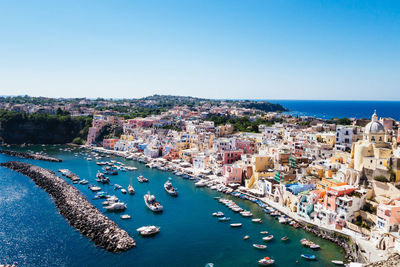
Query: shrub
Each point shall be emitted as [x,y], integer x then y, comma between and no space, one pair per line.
[381,178]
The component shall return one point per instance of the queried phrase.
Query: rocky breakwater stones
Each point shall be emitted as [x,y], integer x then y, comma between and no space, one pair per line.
[26,155]
[78,211]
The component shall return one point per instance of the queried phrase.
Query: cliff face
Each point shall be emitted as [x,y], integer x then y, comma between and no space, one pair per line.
[35,131]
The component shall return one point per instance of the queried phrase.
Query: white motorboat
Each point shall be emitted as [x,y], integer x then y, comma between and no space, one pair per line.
[123,191]
[266,261]
[201,183]
[83,181]
[170,189]
[236,225]
[218,214]
[125,217]
[95,188]
[148,230]
[131,191]
[257,220]
[337,262]
[151,203]
[116,206]
[268,238]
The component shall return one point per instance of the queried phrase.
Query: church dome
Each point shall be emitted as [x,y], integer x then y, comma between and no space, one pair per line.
[374,127]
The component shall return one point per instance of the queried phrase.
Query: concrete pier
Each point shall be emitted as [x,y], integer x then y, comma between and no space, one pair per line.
[76,209]
[26,155]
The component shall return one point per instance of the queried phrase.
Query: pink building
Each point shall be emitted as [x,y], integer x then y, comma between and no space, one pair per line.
[388,215]
[248,146]
[94,131]
[333,193]
[232,174]
[109,143]
[230,157]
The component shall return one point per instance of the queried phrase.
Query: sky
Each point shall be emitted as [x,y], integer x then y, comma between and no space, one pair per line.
[250,49]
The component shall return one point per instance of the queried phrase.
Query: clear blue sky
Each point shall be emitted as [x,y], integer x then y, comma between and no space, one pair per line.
[262,49]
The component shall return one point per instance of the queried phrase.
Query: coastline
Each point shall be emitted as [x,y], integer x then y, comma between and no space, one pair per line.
[352,253]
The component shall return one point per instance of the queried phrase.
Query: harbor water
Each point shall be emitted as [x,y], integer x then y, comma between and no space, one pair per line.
[33,233]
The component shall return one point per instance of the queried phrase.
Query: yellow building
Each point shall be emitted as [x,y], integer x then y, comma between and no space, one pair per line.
[373,151]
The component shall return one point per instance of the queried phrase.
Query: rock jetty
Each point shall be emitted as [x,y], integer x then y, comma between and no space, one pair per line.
[26,155]
[76,209]
[392,261]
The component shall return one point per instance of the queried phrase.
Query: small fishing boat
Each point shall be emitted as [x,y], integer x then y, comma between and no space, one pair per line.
[94,188]
[116,206]
[170,189]
[218,214]
[125,217]
[123,191]
[285,238]
[83,181]
[308,257]
[268,238]
[131,191]
[246,237]
[264,232]
[258,246]
[140,179]
[148,230]
[224,219]
[152,204]
[266,261]
[117,186]
[257,220]
[234,225]
[314,246]
[336,262]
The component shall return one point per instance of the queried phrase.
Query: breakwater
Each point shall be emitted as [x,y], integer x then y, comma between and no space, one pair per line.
[26,155]
[76,209]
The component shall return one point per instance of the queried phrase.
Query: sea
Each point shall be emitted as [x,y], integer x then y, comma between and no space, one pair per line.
[33,233]
[328,109]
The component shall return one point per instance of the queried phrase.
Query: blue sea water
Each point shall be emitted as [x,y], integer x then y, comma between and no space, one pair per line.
[33,233]
[328,109]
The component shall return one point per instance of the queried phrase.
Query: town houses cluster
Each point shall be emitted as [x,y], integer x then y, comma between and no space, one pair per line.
[341,177]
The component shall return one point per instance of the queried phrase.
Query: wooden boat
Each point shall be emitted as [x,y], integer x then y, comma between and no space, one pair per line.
[309,257]
[258,246]
[285,238]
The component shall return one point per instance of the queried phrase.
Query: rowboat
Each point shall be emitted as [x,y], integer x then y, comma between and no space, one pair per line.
[308,257]
[258,246]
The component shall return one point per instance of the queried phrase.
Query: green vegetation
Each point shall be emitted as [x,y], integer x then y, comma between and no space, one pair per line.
[18,127]
[240,124]
[78,141]
[381,178]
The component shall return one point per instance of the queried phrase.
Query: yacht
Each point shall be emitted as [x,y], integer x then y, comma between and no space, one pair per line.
[170,189]
[148,230]
[151,203]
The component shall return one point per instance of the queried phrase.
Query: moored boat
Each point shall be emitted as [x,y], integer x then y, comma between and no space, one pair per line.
[337,262]
[258,246]
[257,220]
[224,219]
[236,225]
[266,261]
[285,238]
[116,206]
[170,189]
[309,257]
[148,230]
[151,203]
[131,191]
[268,238]
[125,217]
